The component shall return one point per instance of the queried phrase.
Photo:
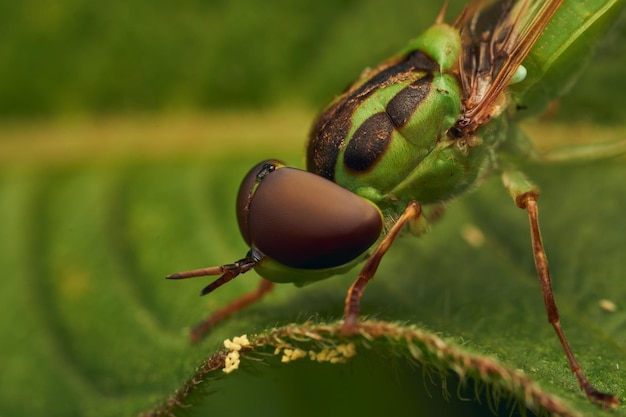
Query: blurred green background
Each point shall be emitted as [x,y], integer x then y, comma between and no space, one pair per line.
[72,57]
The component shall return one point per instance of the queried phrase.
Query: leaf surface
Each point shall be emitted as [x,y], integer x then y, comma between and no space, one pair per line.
[91,327]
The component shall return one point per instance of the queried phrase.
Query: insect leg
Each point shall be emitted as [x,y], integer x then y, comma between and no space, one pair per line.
[413,211]
[227,272]
[234,306]
[516,183]
[584,153]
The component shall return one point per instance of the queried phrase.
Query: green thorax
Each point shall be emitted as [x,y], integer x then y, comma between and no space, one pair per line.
[386,137]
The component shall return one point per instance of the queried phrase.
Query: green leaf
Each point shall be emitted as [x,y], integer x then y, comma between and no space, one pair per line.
[91,327]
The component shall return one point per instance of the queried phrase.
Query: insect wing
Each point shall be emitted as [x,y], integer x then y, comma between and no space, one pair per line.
[564,51]
[496,37]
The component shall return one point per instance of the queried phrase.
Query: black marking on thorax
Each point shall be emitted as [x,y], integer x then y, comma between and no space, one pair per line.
[371,140]
[332,127]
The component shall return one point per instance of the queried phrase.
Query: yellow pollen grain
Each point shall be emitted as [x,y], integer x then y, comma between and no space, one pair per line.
[338,354]
[232,360]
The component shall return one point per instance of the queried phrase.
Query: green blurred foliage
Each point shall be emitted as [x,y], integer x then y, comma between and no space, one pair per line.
[73,56]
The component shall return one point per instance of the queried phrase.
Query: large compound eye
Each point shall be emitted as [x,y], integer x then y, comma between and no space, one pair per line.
[247,189]
[302,220]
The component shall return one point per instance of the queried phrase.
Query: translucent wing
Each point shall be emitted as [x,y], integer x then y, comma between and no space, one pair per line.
[496,36]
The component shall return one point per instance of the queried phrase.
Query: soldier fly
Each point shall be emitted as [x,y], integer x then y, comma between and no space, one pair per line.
[420,129]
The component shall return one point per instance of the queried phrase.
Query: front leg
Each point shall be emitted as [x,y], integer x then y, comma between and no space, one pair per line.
[413,211]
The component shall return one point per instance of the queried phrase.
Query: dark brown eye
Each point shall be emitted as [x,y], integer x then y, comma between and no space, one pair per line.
[247,189]
[302,220]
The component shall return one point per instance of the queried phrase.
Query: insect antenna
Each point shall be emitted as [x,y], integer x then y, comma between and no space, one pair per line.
[213,270]
[228,272]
